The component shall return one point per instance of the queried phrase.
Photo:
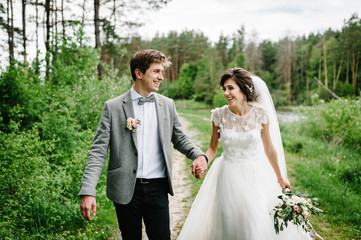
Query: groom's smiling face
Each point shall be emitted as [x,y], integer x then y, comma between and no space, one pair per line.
[151,79]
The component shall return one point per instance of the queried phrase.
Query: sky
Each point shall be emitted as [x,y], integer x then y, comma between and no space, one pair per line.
[269,19]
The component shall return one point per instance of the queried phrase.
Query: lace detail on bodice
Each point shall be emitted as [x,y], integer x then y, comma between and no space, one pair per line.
[240,135]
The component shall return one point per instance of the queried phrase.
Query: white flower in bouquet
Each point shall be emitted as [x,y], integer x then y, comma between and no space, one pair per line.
[296,199]
[290,202]
[295,207]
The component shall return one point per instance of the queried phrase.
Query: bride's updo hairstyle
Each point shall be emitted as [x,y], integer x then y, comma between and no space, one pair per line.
[243,80]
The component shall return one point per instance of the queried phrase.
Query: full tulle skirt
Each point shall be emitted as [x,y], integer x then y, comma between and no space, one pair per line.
[235,202]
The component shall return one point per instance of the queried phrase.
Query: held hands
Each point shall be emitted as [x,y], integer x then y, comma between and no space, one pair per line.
[199,166]
[284,183]
[87,203]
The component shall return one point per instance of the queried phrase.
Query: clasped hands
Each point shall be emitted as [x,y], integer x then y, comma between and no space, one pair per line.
[199,167]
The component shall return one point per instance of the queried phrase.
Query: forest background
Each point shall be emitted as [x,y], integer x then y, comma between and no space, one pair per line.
[50,106]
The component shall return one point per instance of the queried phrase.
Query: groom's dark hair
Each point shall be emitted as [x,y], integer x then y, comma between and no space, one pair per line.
[144,58]
[243,80]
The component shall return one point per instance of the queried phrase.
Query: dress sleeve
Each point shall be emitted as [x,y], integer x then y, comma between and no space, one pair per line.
[216,119]
[262,116]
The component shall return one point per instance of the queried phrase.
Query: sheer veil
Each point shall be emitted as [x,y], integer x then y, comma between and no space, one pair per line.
[265,101]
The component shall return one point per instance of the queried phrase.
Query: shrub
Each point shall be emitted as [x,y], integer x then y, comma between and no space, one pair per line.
[338,121]
[186,79]
[42,157]
[219,100]
[34,195]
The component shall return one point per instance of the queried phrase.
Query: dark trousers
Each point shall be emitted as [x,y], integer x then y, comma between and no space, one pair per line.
[150,202]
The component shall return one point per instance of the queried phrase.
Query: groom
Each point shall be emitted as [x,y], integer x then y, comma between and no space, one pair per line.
[138,127]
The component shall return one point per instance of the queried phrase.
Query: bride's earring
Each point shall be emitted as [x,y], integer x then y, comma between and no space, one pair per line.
[245,99]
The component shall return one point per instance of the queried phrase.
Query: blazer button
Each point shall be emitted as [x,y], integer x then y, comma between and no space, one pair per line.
[134,171]
[136,153]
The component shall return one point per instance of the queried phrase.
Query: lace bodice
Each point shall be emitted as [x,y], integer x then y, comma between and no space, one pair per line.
[240,135]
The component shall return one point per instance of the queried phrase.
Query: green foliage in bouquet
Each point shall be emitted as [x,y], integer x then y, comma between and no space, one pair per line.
[294,207]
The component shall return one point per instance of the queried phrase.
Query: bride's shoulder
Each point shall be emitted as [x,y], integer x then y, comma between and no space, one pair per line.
[219,109]
[261,113]
[218,114]
[259,109]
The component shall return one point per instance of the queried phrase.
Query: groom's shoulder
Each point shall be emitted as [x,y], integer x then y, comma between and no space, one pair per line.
[164,98]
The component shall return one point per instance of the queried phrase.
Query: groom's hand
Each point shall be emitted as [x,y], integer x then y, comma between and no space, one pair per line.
[87,203]
[199,166]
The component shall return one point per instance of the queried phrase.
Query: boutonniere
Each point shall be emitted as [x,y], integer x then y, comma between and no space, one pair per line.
[132,124]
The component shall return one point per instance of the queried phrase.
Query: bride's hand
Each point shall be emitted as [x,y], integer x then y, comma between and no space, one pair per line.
[284,183]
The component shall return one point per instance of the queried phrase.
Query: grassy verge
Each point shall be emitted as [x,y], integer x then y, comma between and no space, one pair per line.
[314,166]
[201,122]
[318,167]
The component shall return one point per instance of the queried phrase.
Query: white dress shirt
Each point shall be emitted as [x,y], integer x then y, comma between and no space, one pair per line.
[151,162]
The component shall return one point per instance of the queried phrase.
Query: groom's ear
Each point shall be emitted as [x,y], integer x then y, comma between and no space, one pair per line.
[138,73]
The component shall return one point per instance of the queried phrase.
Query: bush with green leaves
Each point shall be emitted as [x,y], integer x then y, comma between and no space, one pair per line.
[186,79]
[219,100]
[338,121]
[328,171]
[44,142]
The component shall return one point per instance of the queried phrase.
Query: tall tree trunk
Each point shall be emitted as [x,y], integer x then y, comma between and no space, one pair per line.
[62,18]
[55,23]
[357,64]
[10,25]
[24,28]
[353,67]
[97,37]
[114,14]
[320,65]
[325,62]
[334,75]
[348,69]
[302,71]
[8,28]
[334,68]
[211,73]
[37,70]
[47,38]
[307,82]
[82,21]
[289,81]
[339,69]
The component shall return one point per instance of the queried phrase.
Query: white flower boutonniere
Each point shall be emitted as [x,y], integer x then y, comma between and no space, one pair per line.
[132,124]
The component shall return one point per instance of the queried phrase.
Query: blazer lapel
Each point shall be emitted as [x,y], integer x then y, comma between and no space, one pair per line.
[160,115]
[129,113]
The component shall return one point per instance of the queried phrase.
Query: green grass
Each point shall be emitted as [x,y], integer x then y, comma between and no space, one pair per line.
[321,168]
[201,122]
[191,105]
[314,166]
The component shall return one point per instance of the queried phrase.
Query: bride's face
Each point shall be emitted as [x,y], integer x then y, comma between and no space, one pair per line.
[232,92]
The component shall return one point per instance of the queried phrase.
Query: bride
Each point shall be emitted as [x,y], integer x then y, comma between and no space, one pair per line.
[240,190]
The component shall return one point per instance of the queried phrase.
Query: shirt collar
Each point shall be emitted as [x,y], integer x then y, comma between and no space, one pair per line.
[135,95]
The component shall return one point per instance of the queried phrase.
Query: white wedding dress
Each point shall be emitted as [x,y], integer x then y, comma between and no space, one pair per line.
[240,189]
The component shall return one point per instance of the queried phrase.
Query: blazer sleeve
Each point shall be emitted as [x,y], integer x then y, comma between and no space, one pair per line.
[97,155]
[180,141]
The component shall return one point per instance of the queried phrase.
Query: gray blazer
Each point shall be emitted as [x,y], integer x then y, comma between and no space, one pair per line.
[123,161]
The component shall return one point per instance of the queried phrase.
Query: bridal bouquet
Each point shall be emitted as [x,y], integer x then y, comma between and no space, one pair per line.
[295,207]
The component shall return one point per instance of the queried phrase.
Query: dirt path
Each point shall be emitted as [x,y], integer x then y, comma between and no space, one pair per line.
[181,185]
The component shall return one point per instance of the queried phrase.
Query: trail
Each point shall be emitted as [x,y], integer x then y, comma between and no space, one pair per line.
[181,185]
[178,204]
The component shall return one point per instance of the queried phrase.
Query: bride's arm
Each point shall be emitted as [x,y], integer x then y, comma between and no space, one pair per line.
[212,150]
[271,154]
